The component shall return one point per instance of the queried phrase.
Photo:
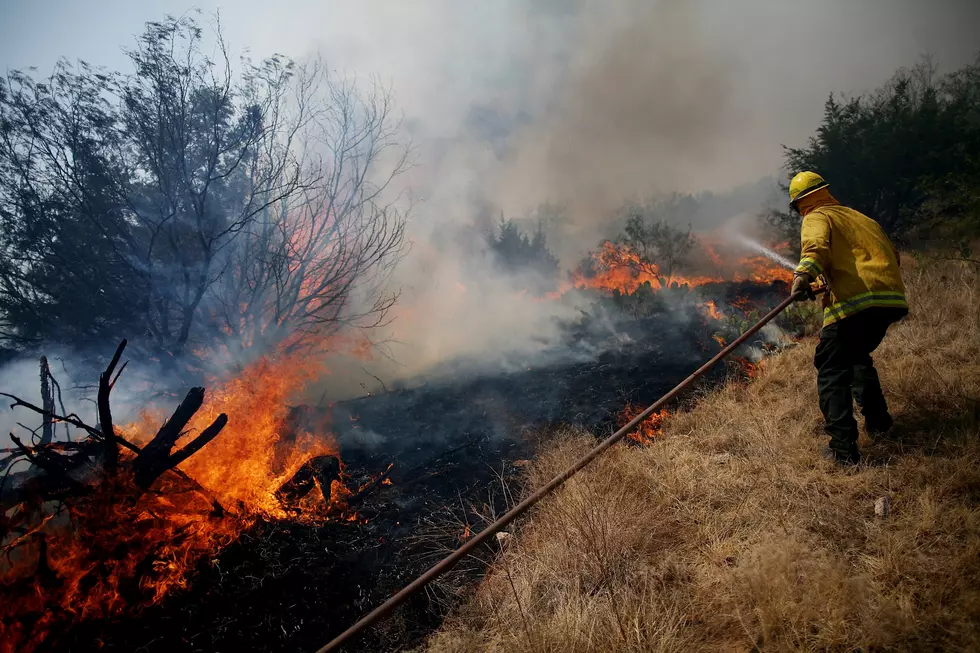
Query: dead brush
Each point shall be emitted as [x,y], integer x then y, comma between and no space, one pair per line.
[731,533]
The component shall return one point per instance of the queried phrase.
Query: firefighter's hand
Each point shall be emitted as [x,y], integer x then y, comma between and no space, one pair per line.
[801,288]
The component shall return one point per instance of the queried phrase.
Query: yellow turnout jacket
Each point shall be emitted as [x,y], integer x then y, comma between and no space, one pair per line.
[854,255]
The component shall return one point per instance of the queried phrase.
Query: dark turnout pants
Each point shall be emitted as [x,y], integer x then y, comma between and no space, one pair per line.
[845,370]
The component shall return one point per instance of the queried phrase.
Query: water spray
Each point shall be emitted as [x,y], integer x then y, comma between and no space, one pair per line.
[756,246]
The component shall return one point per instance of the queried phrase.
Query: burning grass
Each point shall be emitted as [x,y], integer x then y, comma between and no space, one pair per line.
[649,429]
[617,267]
[731,533]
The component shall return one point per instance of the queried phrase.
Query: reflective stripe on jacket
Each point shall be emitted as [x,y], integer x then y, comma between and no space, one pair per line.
[854,255]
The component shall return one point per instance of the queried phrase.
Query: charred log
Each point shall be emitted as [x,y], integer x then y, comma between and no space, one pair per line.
[320,471]
[111,447]
[156,457]
[47,402]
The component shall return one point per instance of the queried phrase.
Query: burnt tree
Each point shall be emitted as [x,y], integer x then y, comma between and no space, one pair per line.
[216,202]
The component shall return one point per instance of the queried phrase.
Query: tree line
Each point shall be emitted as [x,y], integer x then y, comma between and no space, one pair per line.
[906,154]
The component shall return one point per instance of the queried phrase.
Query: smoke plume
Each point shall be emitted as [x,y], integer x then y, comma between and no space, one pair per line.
[584,105]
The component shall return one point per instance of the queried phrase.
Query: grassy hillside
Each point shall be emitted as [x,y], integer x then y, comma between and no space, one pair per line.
[732,534]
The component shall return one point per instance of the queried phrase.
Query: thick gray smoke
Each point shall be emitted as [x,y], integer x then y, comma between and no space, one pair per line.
[581,104]
[643,99]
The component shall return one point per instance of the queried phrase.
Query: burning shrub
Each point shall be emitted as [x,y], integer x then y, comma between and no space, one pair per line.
[658,244]
[108,522]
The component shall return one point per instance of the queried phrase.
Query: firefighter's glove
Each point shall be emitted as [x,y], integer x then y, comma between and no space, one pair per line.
[801,287]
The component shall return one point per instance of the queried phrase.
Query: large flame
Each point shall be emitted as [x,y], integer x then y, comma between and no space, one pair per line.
[617,267]
[125,549]
[116,554]
[246,464]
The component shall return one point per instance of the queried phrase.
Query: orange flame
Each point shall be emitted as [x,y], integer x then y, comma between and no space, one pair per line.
[761,270]
[121,551]
[747,367]
[711,310]
[126,549]
[248,462]
[617,267]
[649,429]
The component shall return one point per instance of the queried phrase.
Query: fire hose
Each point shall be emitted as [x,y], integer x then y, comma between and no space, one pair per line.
[452,559]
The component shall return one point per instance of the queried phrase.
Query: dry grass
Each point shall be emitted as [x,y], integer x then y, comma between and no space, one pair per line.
[732,534]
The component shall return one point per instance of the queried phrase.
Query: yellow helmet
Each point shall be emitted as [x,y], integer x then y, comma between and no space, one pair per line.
[803,184]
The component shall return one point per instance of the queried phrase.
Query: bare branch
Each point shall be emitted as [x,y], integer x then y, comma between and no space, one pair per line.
[111,452]
[68,419]
[155,457]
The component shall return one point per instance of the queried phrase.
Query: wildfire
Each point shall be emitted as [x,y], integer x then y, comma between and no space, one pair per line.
[743,304]
[120,555]
[762,270]
[125,550]
[649,429]
[617,267]
[246,465]
[90,573]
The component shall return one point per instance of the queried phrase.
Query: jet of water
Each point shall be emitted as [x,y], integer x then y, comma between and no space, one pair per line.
[765,251]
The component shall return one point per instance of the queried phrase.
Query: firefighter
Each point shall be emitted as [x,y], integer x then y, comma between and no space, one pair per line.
[860,266]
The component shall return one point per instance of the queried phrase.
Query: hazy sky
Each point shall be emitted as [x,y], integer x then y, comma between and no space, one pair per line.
[721,83]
